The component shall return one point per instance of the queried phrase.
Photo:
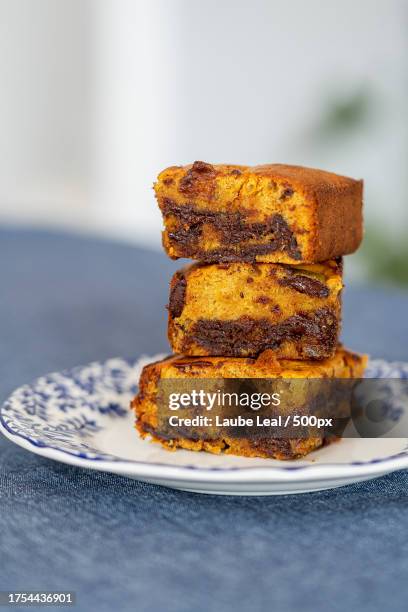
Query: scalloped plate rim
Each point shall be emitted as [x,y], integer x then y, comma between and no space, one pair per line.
[234,475]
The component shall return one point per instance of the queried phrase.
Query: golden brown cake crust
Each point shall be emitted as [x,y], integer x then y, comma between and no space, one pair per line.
[344,364]
[269,213]
[242,309]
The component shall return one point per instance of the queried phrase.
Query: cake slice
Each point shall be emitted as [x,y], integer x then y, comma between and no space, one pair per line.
[308,382]
[242,309]
[270,213]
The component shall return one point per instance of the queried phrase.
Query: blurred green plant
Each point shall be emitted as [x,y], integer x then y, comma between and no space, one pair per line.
[383,258]
[344,114]
[383,255]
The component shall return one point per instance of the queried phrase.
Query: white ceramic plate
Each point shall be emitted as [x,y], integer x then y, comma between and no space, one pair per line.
[81,417]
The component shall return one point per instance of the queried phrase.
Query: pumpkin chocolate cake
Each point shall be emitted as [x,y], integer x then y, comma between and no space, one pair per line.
[152,413]
[242,309]
[269,213]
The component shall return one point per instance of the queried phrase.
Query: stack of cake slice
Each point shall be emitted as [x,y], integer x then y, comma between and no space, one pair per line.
[264,299]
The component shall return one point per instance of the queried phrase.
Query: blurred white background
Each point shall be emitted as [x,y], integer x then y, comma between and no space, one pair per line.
[98,96]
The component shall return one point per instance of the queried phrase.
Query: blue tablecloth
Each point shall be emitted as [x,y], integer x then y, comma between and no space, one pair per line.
[124,545]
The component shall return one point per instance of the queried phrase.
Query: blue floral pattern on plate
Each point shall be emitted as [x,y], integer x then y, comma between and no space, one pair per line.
[63,410]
